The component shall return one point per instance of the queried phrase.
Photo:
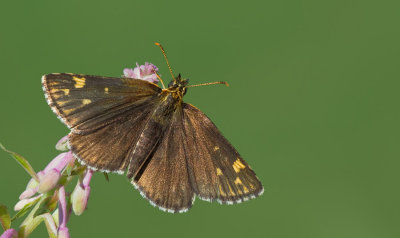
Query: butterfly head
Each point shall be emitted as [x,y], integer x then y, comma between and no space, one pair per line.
[178,84]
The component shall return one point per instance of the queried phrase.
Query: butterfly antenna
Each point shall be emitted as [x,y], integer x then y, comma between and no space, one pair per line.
[158,76]
[166,59]
[204,84]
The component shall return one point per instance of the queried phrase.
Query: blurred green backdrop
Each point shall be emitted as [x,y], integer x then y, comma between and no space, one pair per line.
[313,107]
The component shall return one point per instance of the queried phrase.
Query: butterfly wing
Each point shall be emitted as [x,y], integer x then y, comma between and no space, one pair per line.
[108,148]
[106,115]
[217,171]
[165,180]
[85,103]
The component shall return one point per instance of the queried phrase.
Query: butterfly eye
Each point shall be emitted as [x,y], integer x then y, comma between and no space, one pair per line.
[170,84]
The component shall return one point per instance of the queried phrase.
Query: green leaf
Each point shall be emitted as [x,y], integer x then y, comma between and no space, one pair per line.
[69,168]
[63,180]
[23,162]
[5,219]
[31,222]
[27,228]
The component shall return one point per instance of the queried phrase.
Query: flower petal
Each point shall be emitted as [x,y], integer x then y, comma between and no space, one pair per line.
[49,181]
[145,72]
[28,193]
[129,73]
[25,202]
[59,162]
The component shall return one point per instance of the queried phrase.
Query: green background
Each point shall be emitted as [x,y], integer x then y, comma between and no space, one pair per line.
[313,107]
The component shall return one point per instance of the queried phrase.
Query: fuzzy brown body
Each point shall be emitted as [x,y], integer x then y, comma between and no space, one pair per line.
[170,150]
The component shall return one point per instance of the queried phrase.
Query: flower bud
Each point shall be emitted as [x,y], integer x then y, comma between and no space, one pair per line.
[28,193]
[80,195]
[33,183]
[59,162]
[62,144]
[63,232]
[79,198]
[49,181]
[10,233]
[22,203]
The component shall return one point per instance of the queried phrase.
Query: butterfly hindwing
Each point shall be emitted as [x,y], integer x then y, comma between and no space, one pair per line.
[192,158]
[217,170]
[164,180]
[85,102]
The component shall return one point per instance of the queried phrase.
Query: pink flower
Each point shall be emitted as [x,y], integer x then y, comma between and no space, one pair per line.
[145,72]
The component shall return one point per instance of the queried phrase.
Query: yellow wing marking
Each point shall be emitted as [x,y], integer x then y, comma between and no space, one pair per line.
[54,83]
[216,148]
[61,103]
[68,111]
[221,191]
[230,190]
[219,171]
[56,95]
[237,165]
[66,91]
[237,182]
[80,82]
[86,101]
[106,90]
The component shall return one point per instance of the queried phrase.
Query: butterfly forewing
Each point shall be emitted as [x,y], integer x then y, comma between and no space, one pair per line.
[105,115]
[85,102]
[109,147]
[217,170]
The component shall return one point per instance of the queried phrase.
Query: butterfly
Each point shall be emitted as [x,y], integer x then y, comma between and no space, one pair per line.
[170,150]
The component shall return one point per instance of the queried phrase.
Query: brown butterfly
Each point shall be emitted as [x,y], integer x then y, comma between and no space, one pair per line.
[170,150]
